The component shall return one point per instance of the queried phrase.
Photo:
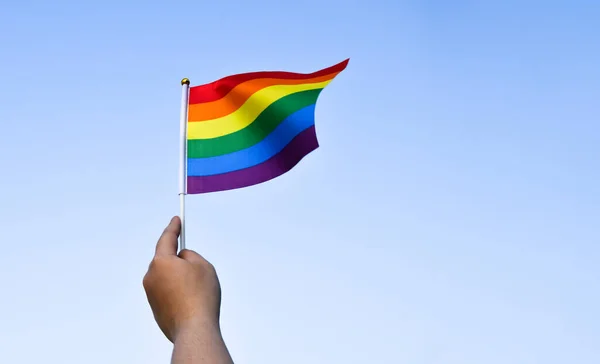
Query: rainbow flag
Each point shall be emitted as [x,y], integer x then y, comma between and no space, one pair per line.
[249,128]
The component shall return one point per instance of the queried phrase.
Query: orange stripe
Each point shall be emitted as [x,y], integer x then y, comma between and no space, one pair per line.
[238,96]
[219,88]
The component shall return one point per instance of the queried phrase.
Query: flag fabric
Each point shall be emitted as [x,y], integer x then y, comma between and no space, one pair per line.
[249,128]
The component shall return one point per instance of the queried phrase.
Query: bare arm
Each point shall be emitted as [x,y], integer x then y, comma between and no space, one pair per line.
[185,296]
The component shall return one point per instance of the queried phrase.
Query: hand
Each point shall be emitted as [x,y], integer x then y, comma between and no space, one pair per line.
[183,290]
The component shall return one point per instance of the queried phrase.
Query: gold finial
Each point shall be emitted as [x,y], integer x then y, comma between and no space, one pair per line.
[185,81]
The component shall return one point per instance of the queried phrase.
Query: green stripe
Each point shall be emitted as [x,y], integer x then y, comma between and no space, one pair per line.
[264,124]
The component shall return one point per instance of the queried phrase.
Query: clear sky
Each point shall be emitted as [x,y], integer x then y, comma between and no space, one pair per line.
[451,215]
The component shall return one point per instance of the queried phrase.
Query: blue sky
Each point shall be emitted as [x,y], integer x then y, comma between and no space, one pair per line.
[450,216]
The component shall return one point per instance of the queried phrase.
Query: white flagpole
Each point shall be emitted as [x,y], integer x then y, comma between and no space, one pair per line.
[185,87]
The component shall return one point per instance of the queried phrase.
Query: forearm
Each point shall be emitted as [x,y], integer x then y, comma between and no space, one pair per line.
[200,344]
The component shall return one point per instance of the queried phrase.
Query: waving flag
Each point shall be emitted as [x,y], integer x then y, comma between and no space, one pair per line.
[250,128]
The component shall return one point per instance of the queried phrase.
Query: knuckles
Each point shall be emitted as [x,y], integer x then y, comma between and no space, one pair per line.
[163,266]
[147,281]
[157,264]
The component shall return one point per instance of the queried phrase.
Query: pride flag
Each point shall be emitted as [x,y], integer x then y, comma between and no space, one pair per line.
[249,128]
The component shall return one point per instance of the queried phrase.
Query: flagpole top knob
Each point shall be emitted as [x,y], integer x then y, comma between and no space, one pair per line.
[185,81]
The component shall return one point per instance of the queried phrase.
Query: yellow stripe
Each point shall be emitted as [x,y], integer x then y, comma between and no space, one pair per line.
[247,113]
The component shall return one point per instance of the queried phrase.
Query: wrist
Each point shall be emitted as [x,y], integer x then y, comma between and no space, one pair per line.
[200,341]
[197,328]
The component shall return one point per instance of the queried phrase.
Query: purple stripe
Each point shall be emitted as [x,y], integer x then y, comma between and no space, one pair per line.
[298,148]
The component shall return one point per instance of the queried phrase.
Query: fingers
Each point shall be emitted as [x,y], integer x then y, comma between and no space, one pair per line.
[167,244]
[192,257]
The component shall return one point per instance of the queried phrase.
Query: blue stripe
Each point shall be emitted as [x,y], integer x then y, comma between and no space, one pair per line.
[258,153]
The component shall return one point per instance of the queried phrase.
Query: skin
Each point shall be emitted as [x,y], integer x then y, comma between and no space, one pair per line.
[185,296]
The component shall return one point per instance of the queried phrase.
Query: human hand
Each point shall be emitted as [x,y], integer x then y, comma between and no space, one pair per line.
[183,290]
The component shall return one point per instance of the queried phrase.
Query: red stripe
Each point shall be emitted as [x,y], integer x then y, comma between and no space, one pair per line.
[218,89]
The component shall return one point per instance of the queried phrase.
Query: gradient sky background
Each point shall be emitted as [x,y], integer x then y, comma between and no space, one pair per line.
[451,215]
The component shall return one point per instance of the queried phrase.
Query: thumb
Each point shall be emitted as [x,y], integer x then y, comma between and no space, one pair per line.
[167,243]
